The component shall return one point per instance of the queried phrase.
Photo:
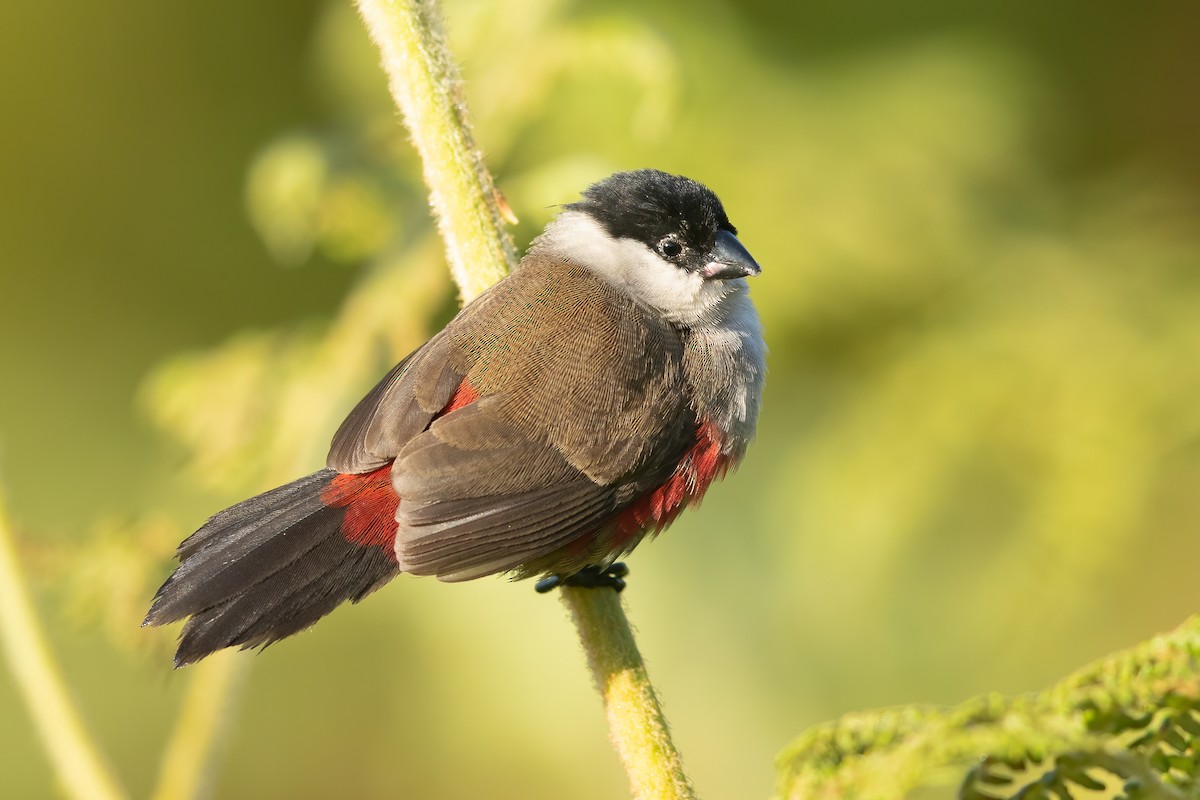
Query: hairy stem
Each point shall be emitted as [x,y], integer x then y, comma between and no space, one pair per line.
[635,719]
[187,767]
[425,84]
[78,763]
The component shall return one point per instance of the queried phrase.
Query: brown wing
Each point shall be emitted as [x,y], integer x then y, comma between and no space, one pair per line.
[397,409]
[480,497]
[409,396]
[576,365]
[568,427]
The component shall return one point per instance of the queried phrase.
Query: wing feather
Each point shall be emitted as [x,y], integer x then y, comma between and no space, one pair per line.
[567,427]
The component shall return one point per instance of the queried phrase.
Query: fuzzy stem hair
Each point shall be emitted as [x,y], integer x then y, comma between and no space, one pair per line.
[425,84]
[427,89]
[635,719]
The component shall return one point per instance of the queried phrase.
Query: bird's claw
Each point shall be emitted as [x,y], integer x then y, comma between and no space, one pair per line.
[612,576]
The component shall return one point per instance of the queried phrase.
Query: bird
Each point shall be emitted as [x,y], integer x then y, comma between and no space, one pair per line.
[568,412]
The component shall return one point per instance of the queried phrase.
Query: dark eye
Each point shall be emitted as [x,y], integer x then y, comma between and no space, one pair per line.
[670,248]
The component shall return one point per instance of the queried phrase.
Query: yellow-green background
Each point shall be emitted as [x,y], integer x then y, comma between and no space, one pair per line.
[979,459]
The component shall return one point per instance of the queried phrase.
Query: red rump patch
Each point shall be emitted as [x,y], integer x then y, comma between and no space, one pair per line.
[369,499]
[370,504]
[657,508]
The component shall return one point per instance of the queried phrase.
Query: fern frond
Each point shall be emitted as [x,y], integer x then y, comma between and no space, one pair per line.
[1127,725]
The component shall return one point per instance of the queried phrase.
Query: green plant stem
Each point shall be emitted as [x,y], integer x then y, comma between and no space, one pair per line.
[425,84]
[635,719]
[78,763]
[186,769]
[427,89]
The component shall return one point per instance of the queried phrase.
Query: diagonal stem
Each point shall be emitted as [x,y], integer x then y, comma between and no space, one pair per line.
[635,719]
[426,87]
[81,768]
[425,84]
[187,766]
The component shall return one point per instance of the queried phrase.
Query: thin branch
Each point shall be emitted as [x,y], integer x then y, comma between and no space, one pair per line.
[425,84]
[635,719]
[187,767]
[81,769]
[426,87]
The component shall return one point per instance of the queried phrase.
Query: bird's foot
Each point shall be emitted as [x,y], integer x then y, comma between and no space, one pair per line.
[612,576]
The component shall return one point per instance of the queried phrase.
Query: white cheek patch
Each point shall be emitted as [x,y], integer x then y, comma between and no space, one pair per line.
[683,297]
[679,294]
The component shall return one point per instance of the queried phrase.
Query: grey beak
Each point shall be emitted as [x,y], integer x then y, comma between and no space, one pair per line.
[729,260]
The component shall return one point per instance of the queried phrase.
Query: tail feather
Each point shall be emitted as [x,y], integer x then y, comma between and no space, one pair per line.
[225,527]
[275,608]
[213,575]
[270,567]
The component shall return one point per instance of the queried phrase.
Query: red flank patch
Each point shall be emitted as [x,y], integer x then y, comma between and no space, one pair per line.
[657,508]
[465,394]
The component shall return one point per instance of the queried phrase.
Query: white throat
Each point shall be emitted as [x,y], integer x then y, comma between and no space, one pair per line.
[683,297]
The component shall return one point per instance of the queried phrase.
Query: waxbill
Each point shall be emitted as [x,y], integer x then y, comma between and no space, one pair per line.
[570,410]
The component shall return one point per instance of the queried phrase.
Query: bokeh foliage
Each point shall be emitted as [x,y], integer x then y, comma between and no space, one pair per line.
[980,450]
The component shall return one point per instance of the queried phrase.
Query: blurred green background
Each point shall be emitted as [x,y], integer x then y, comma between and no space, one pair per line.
[979,456]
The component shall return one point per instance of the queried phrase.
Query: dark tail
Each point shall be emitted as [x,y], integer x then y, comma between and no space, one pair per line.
[273,565]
